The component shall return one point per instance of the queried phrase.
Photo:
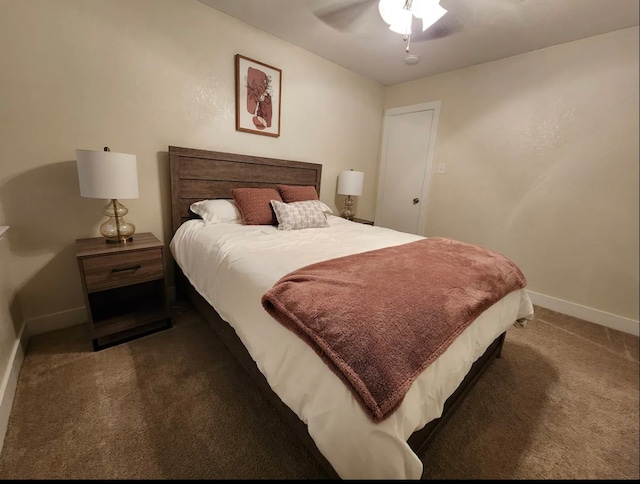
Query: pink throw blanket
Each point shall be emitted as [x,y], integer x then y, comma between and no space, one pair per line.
[379,318]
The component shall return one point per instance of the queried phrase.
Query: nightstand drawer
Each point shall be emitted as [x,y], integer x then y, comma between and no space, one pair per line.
[117,270]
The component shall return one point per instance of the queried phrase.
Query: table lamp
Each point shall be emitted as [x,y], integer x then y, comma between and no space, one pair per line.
[112,176]
[350,184]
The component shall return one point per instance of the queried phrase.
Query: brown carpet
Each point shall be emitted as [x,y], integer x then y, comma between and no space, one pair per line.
[562,403]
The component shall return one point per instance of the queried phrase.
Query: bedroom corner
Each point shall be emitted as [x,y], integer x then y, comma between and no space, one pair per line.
[13,335]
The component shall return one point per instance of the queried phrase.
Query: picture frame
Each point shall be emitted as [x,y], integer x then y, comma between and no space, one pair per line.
[258,93]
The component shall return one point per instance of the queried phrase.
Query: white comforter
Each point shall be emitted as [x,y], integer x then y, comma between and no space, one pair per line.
[233,265]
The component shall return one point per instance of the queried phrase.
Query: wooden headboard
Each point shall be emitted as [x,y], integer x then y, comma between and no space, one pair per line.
[200,174]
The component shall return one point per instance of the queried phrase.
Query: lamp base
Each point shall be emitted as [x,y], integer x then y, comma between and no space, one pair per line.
[347,211]
[119,241]
[117,230]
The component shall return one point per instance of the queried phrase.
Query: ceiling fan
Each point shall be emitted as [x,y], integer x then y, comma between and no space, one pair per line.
[415,20]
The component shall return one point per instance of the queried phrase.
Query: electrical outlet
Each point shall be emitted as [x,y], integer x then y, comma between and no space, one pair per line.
[441,168]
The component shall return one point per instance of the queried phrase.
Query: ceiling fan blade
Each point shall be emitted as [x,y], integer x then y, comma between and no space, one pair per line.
[342,15]
[446,26]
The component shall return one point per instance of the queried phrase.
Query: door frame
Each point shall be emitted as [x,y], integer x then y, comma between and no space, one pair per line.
[424,196]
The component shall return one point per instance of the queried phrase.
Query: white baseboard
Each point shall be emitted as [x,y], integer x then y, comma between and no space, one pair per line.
[602,318]
[10,381]
[51,322]
[70,317]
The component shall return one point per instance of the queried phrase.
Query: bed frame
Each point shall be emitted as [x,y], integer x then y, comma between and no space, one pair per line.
[199,174]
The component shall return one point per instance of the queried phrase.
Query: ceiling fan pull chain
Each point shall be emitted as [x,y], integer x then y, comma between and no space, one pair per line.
[408,44]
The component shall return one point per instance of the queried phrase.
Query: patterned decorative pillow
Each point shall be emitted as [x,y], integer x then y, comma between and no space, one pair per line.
[297,193]
[254,206]
[299,215]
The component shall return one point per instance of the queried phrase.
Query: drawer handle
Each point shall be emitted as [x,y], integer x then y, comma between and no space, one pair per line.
[123,269]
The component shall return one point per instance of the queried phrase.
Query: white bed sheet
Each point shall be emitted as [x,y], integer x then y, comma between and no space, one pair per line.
[233,265]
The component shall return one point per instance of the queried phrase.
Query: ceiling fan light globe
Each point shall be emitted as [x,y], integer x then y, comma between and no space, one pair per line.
[388,10]
[401,22]
[402,28]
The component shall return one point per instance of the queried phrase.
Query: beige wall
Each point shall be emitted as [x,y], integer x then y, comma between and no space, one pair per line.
[138,76]
[541,154]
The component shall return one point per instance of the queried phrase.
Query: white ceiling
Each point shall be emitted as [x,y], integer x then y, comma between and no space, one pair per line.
[483,30]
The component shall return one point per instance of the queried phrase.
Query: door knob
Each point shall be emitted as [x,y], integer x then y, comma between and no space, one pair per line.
[416,200]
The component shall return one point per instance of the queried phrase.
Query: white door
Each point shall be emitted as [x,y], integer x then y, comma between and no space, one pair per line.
[408,145]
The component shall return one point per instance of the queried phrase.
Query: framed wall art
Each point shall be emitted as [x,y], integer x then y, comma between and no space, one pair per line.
[258,90]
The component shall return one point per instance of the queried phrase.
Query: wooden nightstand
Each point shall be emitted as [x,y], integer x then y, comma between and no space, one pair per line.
[124,288]
[362,221]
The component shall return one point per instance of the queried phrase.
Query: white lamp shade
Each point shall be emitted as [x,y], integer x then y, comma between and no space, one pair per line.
[350,183]
[108,175]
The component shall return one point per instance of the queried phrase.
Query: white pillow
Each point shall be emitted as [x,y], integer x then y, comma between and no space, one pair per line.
[299,215]
[217,211]
[325,208]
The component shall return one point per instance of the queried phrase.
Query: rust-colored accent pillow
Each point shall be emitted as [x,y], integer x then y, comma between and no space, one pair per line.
[254,205]
[297,193]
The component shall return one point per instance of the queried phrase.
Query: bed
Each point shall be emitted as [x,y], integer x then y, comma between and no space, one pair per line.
[224,269]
